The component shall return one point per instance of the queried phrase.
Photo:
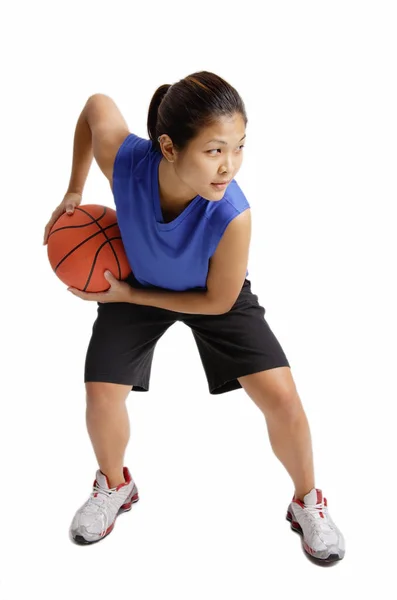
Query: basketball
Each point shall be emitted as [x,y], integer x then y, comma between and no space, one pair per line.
[82,246]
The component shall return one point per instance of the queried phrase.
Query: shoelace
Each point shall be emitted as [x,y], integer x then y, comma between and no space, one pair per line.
[93,503]
[312,511]
[315,509]
[106,492]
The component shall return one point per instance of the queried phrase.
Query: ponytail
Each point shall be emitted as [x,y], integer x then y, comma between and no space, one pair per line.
[153,115]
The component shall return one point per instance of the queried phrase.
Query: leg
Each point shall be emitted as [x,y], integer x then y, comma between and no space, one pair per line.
[108,426]
[238,349]
[274,392]
[120,350]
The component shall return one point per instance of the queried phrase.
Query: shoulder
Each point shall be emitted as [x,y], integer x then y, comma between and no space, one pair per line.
[129,154]
[234,198]
[231,206]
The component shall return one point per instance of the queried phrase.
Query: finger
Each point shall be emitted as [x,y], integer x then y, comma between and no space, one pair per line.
[109,276]
[47,232]
[79,293]
[86,295]
[47,228]
[54,217]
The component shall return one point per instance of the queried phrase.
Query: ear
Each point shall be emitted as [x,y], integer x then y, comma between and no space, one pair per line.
[167,148]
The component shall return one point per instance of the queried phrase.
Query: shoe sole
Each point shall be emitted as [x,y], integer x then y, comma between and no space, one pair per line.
[124,508]
[296,527]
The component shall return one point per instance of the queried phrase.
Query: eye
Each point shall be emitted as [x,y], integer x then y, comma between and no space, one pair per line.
[219,149]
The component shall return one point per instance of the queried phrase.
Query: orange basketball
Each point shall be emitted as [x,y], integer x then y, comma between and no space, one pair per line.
[82,246]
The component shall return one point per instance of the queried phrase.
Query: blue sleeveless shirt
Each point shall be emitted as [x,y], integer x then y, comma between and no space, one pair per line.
[172,255]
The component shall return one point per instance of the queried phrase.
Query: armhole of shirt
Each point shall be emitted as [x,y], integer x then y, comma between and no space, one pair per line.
[131,151]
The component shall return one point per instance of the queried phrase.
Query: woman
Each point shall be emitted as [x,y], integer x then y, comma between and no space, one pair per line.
[185,226]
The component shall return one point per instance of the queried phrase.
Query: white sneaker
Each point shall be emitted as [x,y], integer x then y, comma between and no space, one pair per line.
[96,518]
[321,537]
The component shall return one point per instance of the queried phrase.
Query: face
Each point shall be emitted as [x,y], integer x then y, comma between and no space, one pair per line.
[214,156]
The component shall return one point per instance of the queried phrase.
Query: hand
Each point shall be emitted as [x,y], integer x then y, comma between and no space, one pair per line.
[68,204]
[119,291]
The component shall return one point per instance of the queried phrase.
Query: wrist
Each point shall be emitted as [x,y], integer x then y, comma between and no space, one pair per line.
[73,189]
[132,295]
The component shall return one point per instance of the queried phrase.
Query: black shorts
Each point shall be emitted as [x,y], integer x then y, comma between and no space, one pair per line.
[237,343]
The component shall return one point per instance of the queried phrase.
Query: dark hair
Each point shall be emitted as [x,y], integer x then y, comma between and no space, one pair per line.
[182,109]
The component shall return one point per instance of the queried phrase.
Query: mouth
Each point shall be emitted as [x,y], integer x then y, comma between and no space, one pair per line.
[222,185]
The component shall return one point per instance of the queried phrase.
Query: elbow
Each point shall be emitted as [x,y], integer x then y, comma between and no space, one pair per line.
[93,101]
[97,95]
[219,306]
[222,309]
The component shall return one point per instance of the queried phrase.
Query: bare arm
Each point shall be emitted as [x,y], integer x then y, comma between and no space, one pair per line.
[193,303]
[225,278]
[100,131]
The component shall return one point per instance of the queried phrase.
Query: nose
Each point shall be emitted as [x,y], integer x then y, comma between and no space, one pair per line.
[227,165]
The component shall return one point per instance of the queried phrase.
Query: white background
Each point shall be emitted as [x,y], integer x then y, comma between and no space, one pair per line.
[319,83]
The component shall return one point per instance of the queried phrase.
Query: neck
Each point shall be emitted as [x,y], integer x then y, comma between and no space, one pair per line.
[174,194]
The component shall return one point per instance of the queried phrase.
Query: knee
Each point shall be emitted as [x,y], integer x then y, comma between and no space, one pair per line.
[286,404]
[289,403]
[104,393]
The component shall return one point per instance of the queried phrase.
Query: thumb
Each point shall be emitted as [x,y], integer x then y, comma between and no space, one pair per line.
[70,209]
[109,276]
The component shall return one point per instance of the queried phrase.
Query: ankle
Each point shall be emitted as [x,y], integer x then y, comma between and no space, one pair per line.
[115,478]
[300,494]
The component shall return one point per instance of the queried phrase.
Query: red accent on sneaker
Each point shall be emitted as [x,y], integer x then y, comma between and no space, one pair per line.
[308,549]
[320,500]
[299,502]
[129,504]
[127,475]
[109,529]
[127,478]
